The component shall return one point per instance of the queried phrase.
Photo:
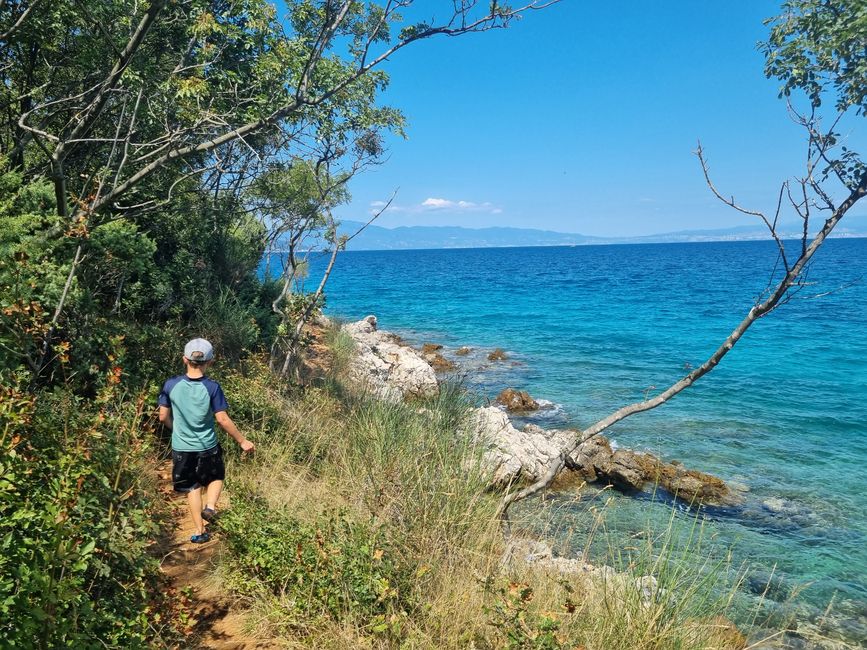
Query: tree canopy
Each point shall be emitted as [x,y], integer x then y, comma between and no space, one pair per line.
[132,133]
[817,46]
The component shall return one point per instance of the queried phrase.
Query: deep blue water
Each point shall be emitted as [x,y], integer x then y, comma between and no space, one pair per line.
[595,327]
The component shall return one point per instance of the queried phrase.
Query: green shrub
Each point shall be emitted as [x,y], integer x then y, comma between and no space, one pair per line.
[228,324]
[517,627]
[77,517]
[335,568]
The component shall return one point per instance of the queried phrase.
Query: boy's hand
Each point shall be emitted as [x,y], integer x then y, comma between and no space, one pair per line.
[226,423]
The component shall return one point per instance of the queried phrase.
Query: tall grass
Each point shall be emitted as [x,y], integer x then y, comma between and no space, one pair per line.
[412,472]
[362,523]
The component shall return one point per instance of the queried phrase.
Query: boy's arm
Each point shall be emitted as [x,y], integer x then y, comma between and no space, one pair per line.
[166,417]
[223,419]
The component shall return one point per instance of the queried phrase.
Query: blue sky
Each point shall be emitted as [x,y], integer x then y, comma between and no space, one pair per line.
[584,118]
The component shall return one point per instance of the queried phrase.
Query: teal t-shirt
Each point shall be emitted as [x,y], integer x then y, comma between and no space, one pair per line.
[193,402]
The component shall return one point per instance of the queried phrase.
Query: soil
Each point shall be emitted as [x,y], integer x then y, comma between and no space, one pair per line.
[213,619]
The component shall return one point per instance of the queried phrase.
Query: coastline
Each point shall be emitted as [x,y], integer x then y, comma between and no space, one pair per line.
[463,367]
[392,369]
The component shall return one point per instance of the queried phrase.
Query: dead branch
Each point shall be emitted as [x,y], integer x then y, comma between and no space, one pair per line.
[780,294]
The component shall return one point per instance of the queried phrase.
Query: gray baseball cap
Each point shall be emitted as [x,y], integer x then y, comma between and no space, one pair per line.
[199,350]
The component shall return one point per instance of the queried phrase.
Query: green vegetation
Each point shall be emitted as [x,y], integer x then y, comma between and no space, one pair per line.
[150,153]
[362,523]
[78,513]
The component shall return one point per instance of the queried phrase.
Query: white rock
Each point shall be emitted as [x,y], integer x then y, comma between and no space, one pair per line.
[529,552]
[389,370]
[648,585]
[509,454]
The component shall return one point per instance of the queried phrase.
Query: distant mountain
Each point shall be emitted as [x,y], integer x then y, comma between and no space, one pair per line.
[407,237]
[379,238]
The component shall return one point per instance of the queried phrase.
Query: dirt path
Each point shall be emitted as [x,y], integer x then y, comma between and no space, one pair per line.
[212,619]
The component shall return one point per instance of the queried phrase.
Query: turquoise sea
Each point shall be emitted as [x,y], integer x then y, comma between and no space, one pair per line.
[592,328]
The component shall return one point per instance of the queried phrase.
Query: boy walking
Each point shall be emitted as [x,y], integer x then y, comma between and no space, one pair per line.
[189,405]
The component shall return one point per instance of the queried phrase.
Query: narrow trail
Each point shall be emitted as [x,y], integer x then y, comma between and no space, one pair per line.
[212,619]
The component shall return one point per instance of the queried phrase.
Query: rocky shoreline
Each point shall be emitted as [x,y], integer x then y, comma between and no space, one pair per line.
[392,370]
[386,366]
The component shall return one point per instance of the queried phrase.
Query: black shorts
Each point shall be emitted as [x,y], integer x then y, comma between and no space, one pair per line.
[194,469]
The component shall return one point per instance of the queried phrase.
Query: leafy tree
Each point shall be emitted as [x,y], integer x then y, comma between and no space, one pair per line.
[817,47]
[124,105]
[131,132]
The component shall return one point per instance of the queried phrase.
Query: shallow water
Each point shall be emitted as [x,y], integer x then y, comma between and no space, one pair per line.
[593,328]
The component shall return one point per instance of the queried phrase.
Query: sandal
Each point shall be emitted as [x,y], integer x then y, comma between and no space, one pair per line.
[200,539]
[209,514]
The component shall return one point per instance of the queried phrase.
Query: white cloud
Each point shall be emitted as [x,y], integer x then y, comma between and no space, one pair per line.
[459,206]
[437,203]
[433,204]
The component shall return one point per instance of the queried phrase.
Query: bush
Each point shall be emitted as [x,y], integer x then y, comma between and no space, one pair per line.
[228,324]
[333,568]
[517,627]
[77,517]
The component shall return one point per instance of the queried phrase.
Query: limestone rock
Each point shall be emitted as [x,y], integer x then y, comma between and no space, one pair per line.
[439,363]
[517,400]
[391,371]
[395,338]
[463,351]
[530,552]
[428,348]
[498,355]
[630,470]
[510,454]
[727,633]
[649,587]
[591,454]
[627,469]
[690,485]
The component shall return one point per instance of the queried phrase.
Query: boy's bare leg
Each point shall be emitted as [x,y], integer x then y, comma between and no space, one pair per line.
[194,500]
[214,489]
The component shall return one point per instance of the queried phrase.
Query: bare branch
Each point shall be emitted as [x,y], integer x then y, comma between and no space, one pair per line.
[5,36]
[373,218]
[731,203]
[46,344]
[780,295]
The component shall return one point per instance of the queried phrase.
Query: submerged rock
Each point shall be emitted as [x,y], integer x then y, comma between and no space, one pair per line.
[389,370]
[463,351]
[439,362]
[517,400]
[498,355]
